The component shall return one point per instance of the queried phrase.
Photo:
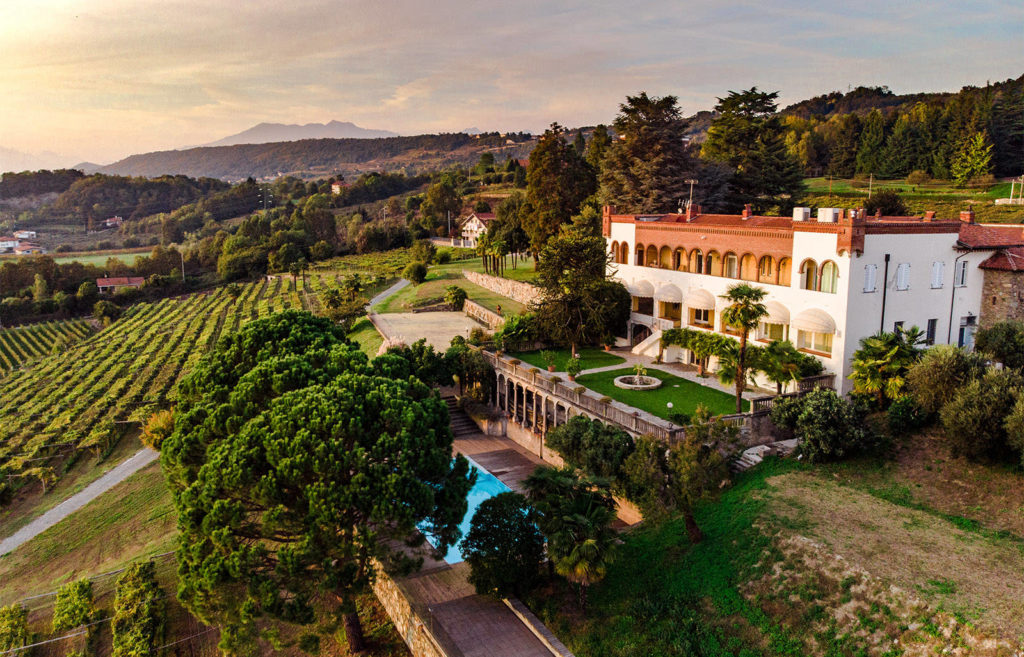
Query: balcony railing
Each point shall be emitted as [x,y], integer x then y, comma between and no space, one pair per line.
[654,322]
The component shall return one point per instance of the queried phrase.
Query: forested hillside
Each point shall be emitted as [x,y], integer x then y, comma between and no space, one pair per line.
[320,157]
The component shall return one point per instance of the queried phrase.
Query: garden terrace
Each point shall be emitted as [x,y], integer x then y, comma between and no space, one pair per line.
[589,358]
[683,394]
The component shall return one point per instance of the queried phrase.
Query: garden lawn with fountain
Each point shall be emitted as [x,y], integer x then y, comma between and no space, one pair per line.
[589,358]
[683,394]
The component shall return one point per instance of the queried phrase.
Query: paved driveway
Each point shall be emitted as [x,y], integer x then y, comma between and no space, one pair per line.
[437,328]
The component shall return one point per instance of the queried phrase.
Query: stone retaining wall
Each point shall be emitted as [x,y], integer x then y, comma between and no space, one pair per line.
[421,642]
[524,293]
[488,318]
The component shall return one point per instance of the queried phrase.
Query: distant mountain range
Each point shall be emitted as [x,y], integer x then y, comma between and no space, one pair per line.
[265,133]
[12,160]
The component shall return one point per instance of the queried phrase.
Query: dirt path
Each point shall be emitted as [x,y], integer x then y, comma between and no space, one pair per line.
[387,293]
[127,468]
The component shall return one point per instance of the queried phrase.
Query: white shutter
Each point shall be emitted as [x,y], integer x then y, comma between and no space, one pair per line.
[870,274]
[903,276]
[938,268]
[961,274]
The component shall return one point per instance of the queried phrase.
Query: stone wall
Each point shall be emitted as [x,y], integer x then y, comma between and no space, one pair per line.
[407,623]
[488,318]
[524,293]
[1002,296]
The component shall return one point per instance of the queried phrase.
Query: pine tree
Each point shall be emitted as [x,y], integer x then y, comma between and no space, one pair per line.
[843,149]
[903,148]
[598,146]
[646,169]
[871,147]
[557,181]
[974,159]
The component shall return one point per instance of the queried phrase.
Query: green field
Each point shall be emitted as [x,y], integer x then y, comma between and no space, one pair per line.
[432,291]
[23,344]
[99,259]
[938,188]
[683,394]
[589,358]
[365,334]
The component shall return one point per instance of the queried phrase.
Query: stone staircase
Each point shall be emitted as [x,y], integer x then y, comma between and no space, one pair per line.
[651,346]
[462,424]
[751,457]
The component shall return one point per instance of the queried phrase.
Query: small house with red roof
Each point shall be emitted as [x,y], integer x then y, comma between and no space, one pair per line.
[111,285]
[475,225]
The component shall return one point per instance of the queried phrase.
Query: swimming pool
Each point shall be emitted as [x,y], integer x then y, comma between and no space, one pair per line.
[486,487]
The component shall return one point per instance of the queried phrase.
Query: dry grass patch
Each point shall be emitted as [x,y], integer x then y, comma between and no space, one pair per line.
[979,577]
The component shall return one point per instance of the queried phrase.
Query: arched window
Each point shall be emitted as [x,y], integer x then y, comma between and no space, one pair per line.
[713,264]
[696,262]
[639,255]
[809,275]
[785,271]
[615,252]
[665,258]
[679,259]
[731,266]
[652,256]
[748,267]
[625,253]
[766,270]
[829,277]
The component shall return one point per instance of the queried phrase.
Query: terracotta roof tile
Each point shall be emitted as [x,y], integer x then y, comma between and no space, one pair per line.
[1011,259]
[991,236]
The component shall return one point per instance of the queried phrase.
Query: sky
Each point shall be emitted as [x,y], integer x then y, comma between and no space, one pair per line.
[98,80]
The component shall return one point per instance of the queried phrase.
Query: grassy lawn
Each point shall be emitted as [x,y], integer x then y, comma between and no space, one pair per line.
[767,579]
[589,358]
[432,290]
[366,335]
[684,394]
[523,271]
[940,188]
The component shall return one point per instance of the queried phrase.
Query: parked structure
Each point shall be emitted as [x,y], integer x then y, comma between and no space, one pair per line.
[475,225]
[119,283]
[831,280]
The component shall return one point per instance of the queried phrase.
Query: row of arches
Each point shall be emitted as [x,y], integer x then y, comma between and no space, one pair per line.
[528,408]
[746,267]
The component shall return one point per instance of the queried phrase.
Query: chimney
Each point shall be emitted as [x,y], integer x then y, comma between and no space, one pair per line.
[967,216]
[692,210]
[747,212]
[878,213]
[929,215]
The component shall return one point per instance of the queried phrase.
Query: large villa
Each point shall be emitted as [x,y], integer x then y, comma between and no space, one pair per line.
[831,279]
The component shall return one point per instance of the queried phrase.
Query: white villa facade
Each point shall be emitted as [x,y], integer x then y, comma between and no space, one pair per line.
[831,279]
[474,226]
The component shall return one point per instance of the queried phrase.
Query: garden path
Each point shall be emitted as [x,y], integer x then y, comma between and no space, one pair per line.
[125,469]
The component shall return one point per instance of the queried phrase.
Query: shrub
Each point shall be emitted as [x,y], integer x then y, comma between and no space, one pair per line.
[106,312]
[321,250]
[518,332]
[1004,342]
[941,372]
[918,177]
[131,242]
[139,612]
[73,606]
[14,627]
[64,248]
[905,415]
[827,426]
[573,367]
[415,272]
[455,297]
[423,251]
[158,427]
[504,548]
[888,201]
[974,420]
[478,336]
[1014,426]
[548,357]
[443,257]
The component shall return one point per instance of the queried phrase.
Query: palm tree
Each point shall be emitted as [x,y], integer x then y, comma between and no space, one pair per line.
[744,313]
[483,248]
[728,354]
[584,547]
[880,365]
[780,362]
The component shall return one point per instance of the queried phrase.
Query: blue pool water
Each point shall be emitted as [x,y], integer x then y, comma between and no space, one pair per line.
[486,487]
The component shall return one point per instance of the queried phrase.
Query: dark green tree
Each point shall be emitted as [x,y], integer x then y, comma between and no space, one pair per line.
[598,146]
[748,136]
[598,449]
[974,159]
[941,373]
[888,202]
[871,146]
[974,420]
[504,548]
[1003,341]
[844,140]
[557,181]
[646,169]
[295,471]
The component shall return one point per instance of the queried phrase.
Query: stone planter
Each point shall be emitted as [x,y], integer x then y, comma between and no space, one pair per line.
[551,368]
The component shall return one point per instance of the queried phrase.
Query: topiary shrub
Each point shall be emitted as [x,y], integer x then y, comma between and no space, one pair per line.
[905,415]
[415,272]
[974,421]
[828,427]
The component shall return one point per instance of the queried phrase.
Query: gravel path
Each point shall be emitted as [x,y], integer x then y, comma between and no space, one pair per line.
[125,469]
[387,293]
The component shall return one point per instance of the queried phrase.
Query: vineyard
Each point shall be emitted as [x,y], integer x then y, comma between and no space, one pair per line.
[87,395]
[23,344]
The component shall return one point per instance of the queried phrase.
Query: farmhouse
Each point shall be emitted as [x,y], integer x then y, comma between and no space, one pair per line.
[8,243]
[119,283]
[25,234]
[113,222]
[831,279]
[475,225]
[28,248]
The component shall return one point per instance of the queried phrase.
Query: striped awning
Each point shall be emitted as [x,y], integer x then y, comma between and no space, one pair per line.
[641,289]
[777,313]
[669,293]
[700,299]
[814,321]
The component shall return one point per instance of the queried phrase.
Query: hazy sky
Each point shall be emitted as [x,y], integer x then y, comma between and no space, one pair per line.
[100,79]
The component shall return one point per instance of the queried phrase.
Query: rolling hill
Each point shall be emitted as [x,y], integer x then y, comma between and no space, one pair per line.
[265,133]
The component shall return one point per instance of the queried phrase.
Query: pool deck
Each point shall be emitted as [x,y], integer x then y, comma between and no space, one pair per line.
[476,625]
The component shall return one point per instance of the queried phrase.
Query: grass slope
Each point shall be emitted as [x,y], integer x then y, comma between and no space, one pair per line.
[432,290]
[365,334]
[683,394]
